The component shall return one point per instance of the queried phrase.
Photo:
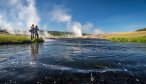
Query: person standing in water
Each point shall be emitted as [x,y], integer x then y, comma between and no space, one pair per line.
[36,29]
[32,31]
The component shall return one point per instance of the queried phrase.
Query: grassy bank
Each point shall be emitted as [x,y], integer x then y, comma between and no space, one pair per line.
[128,37]
[124,37]
[17,39]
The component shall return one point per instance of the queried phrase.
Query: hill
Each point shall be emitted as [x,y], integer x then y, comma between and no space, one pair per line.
[144,29]
[61,33]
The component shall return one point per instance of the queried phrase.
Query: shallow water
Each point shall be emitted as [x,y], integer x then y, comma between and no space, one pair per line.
[73,61]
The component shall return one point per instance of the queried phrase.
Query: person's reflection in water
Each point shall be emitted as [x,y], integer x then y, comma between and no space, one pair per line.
[31,71]
[34,51]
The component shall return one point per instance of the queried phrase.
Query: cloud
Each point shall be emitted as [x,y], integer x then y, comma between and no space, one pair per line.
[18,14]
[60,15]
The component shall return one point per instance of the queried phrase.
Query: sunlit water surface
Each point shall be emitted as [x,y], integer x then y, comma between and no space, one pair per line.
[73,61]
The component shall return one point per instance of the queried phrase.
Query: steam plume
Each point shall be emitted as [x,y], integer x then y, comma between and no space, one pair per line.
[20,14]
[90,28]
[61,15]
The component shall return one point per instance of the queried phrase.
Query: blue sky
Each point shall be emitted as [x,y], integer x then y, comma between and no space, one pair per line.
[108,15]
[68,15]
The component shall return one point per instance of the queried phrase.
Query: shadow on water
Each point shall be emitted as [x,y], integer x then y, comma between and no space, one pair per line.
[73,61]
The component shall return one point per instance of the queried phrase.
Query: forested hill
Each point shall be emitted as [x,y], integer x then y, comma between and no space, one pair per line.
[144,29]
[61,33]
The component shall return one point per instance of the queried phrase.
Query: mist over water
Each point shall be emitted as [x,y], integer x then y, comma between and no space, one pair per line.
[73,60]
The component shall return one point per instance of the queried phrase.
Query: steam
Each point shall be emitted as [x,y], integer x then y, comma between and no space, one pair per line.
[60,14]
[44,35]
[90,28]
[76,28]
[98,31]
[20,12]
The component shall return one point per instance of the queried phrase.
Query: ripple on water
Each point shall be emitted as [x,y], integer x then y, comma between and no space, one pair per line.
[76,60]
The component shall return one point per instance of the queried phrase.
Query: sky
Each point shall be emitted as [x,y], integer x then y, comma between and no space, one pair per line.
[88,15]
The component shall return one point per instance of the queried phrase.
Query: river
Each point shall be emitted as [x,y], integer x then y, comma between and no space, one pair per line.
[73,61]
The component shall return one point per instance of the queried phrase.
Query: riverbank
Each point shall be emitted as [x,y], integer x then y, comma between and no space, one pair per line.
[17,39]
[123,37]
[135,39]
[139,37]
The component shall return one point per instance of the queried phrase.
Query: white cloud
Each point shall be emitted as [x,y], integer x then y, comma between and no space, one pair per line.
[60,14]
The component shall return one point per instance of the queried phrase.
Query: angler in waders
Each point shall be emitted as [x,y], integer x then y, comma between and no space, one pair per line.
[32,31]
[36,29]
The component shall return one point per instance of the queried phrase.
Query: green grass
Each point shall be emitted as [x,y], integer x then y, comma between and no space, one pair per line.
[17,39]
[139,37]
[132,39]
[40,40]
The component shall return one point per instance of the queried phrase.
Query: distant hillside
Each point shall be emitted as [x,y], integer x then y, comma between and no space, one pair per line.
[144,29]
[3,31]
[61,33]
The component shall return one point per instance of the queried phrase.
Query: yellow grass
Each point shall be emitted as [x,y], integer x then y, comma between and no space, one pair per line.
[123,36]
[17,39]
[120,35]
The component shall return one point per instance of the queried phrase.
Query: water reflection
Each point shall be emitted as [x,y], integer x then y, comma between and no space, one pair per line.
[34,51]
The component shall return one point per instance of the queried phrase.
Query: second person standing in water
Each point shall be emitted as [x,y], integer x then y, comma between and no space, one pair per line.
[32,31]
[36,29]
